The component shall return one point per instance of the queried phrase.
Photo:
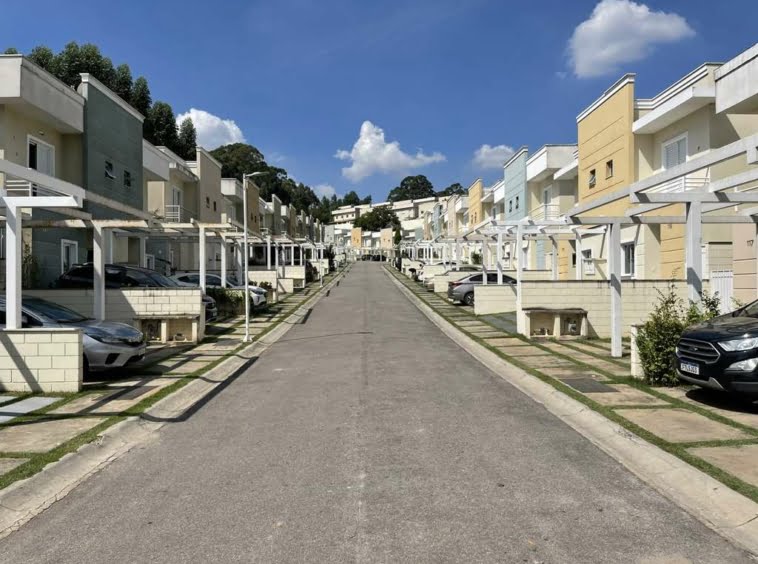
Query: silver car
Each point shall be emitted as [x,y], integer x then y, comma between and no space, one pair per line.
[463,290]
[257,294]
[107,344]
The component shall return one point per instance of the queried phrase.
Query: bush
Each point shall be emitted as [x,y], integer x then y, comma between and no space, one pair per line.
[658,337]
[476,258]
[228,301]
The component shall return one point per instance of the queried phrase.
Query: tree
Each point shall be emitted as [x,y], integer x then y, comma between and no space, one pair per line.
[163,126]
[412,188]
[122,82]
[239,158]
[43,57]
[351,199]
[377,218]
[454,189]
[10,51]
[187,139]
[398,236]
[67,64]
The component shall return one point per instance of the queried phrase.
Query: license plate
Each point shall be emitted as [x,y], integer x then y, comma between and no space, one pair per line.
[691,368]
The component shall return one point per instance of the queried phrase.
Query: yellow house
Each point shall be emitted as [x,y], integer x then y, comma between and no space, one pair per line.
[356,237]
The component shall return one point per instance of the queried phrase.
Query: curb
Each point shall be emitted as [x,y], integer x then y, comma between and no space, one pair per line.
[723,510]
[23,500]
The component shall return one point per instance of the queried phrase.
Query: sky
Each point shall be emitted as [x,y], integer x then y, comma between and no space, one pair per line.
[356,95]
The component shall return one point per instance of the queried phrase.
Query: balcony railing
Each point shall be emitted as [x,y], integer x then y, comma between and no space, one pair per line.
[177,214]
[17,187]
[546,211]
[693,181]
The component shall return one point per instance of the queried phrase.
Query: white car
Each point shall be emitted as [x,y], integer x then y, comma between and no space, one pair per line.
[257,294]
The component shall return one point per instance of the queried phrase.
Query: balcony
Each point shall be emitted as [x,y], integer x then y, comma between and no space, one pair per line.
[177,214]
[545,211]
[692,181]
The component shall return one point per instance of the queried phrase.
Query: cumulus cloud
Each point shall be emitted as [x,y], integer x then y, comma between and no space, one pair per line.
[212,131]
[371,153]
[487,156]
[619,32]
[322,190]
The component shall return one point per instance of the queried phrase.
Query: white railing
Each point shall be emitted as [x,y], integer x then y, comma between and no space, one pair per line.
[17,187]
[693,181]
[545,211]
[177,214]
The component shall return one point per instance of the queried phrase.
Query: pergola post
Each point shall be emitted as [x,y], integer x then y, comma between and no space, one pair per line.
[99,238]
[519,279]
[485,259]
[458,255]
[301,255]
[614,267]
[240,257]
[579,274]
[499,258]
[223,262]
[276,258]
[554,262]
[13,258]
[142,249]
[693,252]
[108,243]
[292,254]
[201,258]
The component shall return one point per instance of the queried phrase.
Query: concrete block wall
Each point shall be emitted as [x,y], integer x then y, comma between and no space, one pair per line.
[638,298]
[494,299]
[296,272]
[128,305]
[41,360]
[285,285]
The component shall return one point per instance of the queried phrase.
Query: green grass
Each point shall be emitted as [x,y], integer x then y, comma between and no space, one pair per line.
[677,449]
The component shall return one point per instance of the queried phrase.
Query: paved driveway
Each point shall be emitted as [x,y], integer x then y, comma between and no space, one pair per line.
[365,435]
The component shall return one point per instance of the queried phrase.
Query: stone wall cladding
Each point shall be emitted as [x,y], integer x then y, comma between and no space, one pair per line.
[41,360]
[494,299]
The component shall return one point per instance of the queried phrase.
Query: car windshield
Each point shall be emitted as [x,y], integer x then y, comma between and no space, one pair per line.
[750,310]
[54,312]
[163,280]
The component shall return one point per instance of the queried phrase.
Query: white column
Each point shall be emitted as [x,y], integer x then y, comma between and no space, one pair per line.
[14,253]
[485,260]
[223,262]
[201,258]
[99,238]
[520,325]
[693,251]
[276,259]
[458,255]
[292,254]
[142,249]
[579,261]
[268,252]
[240,254]
[614,267]
[555,258]
[108,243]
[301,255]
[499,258]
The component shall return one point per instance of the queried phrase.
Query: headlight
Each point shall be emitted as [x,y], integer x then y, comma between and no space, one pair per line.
[739,345]
[103,338]
[744,365]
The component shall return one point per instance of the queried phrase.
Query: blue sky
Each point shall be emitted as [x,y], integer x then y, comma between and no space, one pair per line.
[441,78]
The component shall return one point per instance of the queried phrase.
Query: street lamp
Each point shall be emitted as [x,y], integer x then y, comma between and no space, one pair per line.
[246,338]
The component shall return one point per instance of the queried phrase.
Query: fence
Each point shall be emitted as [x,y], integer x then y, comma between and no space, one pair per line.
[722,283]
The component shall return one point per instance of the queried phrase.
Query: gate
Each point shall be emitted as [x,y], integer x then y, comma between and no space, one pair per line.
[722,283]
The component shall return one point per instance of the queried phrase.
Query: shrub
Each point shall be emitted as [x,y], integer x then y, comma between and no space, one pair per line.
[228,301]
[658,337]
[476,258]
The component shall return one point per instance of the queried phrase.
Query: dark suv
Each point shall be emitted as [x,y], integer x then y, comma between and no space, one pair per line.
[123,276]
[722,353]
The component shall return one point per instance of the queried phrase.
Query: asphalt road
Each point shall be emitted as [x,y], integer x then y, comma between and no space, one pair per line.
[365,435]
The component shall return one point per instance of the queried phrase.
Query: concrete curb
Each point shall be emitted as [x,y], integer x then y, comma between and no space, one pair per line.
[727,512]
[23,500]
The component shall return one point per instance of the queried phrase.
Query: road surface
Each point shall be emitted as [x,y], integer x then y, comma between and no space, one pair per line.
[366,435]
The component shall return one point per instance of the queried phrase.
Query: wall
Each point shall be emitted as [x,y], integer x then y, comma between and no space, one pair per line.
[745,252]
[494,299]
[280,284]
[514,181]
[41,360]
[210,202]
[356,237]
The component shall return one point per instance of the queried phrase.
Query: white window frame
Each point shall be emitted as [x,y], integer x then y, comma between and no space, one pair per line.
[588,262]
[68,243]
[38,141]
[624,271]
[675,140]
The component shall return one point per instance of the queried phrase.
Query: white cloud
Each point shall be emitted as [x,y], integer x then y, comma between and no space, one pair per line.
[487,156]
[212,131]
[322,190]
[371,153]
[619,32]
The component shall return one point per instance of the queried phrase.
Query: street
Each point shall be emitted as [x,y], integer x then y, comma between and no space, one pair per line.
[366,435]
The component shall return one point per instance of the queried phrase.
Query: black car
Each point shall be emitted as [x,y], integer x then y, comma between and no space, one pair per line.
[125,276]
[722,353]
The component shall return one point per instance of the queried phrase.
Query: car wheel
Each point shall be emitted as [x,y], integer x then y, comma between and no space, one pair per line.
[468,299]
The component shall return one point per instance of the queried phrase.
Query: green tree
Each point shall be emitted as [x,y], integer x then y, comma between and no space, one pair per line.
[122,82]
[398,236]
[43,57]
[163,126]
[187,139]
[10,51]
[412,188]
[67,64]
[454,189]
[239,158]
[377,218]
[351,199]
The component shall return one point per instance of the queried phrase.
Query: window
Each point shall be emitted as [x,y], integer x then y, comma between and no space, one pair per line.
[69,254]
[510,206]
[573,259]
[40,156]
[609,169]
[207,202]
[589,264]
[628,264]
[109,170]
[516,202]
[593,178]
[674,152]
[127,179]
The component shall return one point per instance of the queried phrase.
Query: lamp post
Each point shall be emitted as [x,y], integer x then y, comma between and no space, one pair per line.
[246,338]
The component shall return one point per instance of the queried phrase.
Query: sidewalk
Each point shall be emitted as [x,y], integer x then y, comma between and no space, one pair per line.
[37,429]
[713,432]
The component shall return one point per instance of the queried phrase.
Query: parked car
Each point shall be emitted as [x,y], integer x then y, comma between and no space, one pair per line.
[257,294]
[123,276]
[429,280]
[107,344]
[722,353]
[463,290]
